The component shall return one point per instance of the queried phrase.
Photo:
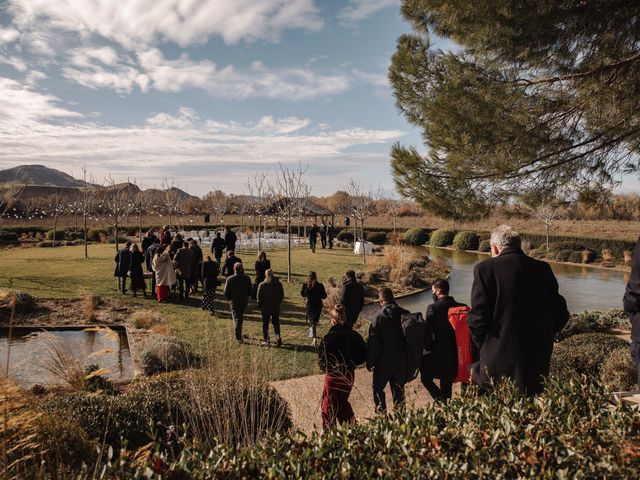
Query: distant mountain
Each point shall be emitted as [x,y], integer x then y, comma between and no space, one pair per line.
[38,175]
[154,193]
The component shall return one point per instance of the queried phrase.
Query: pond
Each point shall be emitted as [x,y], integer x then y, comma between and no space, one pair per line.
[33,350]
[584,288]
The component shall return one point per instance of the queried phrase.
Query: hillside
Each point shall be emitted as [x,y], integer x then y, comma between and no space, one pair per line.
[38,175]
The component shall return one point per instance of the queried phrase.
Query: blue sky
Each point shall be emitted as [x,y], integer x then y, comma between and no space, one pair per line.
[206,92]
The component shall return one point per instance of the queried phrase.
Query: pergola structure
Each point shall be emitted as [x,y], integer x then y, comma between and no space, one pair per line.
[306,209]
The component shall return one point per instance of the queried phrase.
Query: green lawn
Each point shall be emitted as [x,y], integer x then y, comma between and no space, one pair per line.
[64,273]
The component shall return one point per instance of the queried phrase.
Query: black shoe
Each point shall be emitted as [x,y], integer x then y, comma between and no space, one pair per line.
[278,343]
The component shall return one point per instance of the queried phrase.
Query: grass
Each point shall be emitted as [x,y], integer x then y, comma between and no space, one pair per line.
[65,273]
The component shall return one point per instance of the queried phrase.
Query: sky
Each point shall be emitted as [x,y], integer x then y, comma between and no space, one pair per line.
[205,92]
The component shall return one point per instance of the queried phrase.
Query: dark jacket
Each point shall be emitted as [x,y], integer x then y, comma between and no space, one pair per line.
[323,231]
[230,239]
[270,296]
[261,267]
[352,297]
[227,267]
[314,296]
[123,260]
[209,272]
[237,290]
[516,311]
[341,350]
[313,234]
[197,253]
[165,237]
[135,264]
[147,242]
[217,246]
[441,360]
[631,299]
[386,345]
[148,255]
[185,260]
[330,232]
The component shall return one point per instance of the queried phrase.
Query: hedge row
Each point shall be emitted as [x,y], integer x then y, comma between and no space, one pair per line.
[616,247]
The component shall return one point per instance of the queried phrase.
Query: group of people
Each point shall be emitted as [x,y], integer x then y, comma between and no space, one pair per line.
[516,310]
[326,232]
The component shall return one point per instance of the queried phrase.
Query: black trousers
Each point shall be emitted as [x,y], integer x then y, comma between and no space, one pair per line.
[184,285]
[122,283]
[323,241]
[153,281]
[238,318]
[635,356]
[273,318]
[396,379]
[312,245]
[441,393]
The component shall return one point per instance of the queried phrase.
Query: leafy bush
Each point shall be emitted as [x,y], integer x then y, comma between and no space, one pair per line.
[442,238]
[345,235]
[8,236]
[44,244]
[575,257]
[588,256]
[59,235]
[96,234]
[576,434]
[584,354]
[484,246]
[594,322]
[562,255]
[618,373]
[167,354]
[377,238]
[416,236]
[24,302]
[615,247]
[538,253]
[558,246]
[64,443]
[466,241]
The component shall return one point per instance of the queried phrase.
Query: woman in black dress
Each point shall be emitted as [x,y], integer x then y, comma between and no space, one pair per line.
[315,293]
[210,270]
[261,266]
[135,271]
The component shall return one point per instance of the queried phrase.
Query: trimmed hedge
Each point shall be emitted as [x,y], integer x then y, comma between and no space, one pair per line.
[466,241]
[561,256]
[345,236]
[616,247]
[377,238]
[575,257]
[442,238]
[416,236]
[485,246]
[7,236]
[594,322]
[584,354]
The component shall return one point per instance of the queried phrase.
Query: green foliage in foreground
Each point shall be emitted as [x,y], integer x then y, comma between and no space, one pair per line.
[466,241]
[571,431]
[442,238]
[595,322]
[416,236]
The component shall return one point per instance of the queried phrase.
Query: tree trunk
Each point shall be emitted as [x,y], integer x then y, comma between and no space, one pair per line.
[241,230]
[364,249]
[55,227]
[84,220]
[115,234]
[289,251]
[140,225]
[259,233]
[546,232]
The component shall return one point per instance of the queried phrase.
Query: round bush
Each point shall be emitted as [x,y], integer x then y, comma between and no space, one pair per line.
[96,234]
[49,235]
[484,246]
[584,353]
[575,257]
[466,241]
[563,255]
[8,236]
[44,244]
[24,302]
[442,238]
[377,238]
[558,246]
[167,354]
[618,373]
[588,256]
[416,236]
[345,236]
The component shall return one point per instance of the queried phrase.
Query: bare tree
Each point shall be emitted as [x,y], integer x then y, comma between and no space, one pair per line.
[170,198]
[116,203]
[9,194]
[362,204]
[140,203]
[219,203]
[392,206]
[287,190]
[547,213]
[242,206]
[57,204]
[86,203]
[258,188]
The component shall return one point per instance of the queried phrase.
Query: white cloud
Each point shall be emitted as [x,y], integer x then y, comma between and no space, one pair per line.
[358,10]
[8,35]
[378,80]
[185,22]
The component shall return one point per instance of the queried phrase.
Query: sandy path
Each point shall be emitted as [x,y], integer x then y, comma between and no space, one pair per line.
[303,395]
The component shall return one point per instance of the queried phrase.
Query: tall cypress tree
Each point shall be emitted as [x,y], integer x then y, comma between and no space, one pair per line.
[541,97]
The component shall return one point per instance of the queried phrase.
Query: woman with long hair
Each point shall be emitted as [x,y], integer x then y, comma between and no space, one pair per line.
[210,269]
[165,273]
[340,351]
[261,266]
[315,293]
[135,271]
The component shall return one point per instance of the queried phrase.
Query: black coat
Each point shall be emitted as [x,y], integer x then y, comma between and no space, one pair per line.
[227,268]
[352,298]
[237,290]
[270,295]
[441,360]
[135,264]
[123,260]
[631,299]
[516,311]
[209,272]
[217,246]
[148,255]
[314,296]
[341,350]
[230,239]
[147,242]
[261,267]
[386,345]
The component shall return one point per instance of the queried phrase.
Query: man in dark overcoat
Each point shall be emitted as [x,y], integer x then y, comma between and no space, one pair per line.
[516,310]
[123,260]
[631,303]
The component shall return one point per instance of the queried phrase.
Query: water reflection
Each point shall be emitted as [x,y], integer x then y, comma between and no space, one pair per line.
[30,350]
[584,288]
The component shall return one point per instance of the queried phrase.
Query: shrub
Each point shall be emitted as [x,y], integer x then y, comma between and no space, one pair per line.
[588,256]
[377,238]
[615,247]
[59,235]
[627,256]
[607,256]
[416,236]
[538,253]
[560,246]
[594,322]
[575,257]
[8,236]
[145,319]
[442,238]
[64,443]
[584,354]
[485,246]
[466,241]
[345,236]
[44,244]
[96,234]
[167,354]
[618,373]
[562,255]
[24,302]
